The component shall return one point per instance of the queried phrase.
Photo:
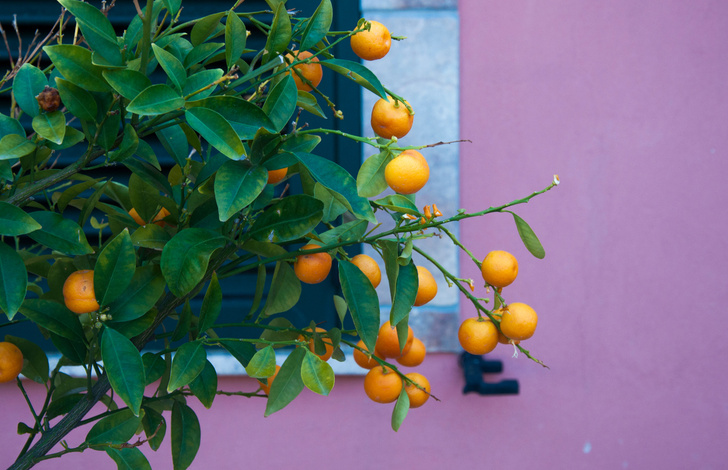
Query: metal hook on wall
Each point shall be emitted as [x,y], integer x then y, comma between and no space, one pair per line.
[475,366]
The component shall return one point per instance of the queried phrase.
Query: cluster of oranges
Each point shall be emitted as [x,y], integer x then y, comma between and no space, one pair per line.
[511,323]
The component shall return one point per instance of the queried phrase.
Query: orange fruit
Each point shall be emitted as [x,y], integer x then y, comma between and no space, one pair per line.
[518,321]
[382,384]
[373,44]
[499,268]
[364,361]
[11,361]
[388,341]
[312,346]
[275,176]
[427,289]
[478,335]
[417,397]
[415,355]
[312,70]
[407,173]
[369,267]
[266,386]
[391,118]
[312,268]
[158,219]
[503,339]
[78,292]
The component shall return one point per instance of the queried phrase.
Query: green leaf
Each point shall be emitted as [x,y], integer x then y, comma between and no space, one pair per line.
[357,72]
[128,146]
[185,436]
[346,232]
[362,301]
[9,125]
[237,184]
[71,137]
[155,427]
[300,143]
[13,280]
[185,258]
[117,428]
[370,179]
[187,364]
[35,361]
[183,323]
[204,387]
[318,25]
[398,203]
[96,29]
[144,290]
[285,290]
[240,350]
[341,307]
[337,179]
[150,236]
[400,410]
[404,293]
[201,80]
[280,34]
[15,146]
[114,268]
[128,458]
[289,219]
[60,234]
[201,53]
[124,367]
[149,174]
[144,197]
[211,305]
[263,364]
[28,83]
[14,221]
[74,63]
[155,100]
[235,38]
[79,102]
[308,102]
[334,203]
[245,117]
[288,383]
[128,83]
[174,141]
[317,374]
[214,128]
[204,28]
[528,237]
[281,102]
[173,5]
[172,66]
[154,367]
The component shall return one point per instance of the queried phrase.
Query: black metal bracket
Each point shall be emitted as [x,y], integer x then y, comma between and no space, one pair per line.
[475,366]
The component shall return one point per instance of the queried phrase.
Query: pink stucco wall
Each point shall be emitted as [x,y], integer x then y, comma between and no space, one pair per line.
[628,102]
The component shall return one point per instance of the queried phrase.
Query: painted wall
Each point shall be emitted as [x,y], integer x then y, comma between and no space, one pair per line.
[627,102]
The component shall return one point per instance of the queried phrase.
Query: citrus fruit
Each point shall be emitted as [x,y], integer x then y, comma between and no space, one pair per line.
[369,267]
[158,219]
[373,44]
[382,384]
[417,397]
[407,173]
[391,118]
[11,361]
[415,355]
[502,339]
[499,268]
[427,288]
[518,321]
[478,336]
[266,386]
[78,292]
[312,346]
[275,176]
[388,341]
[312,268]
[312,70]
[362,359]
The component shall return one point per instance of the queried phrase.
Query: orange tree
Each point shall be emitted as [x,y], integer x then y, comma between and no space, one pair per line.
[233,120]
